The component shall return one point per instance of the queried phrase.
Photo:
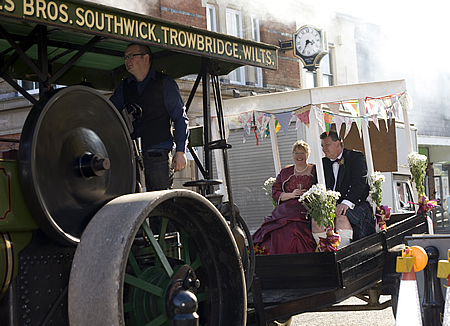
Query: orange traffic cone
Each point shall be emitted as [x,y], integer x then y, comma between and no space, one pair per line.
[444,272]
[413,259]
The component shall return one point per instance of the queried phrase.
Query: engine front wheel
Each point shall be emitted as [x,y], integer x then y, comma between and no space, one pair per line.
[151,258]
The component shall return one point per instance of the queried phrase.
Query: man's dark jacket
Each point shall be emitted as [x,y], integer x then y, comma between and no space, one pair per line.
[154,125]
[352,180]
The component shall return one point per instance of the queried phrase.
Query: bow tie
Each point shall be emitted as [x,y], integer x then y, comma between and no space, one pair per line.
[337,160]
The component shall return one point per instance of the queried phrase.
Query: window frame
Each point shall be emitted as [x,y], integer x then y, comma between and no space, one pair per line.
[256,36]
[210,8]
[237,76]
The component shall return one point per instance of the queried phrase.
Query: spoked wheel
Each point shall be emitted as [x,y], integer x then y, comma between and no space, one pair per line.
[151,258]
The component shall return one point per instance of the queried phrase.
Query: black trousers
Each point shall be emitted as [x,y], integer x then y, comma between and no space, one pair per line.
[158,170]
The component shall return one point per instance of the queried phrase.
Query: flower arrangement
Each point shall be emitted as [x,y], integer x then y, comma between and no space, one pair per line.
[376,182]
[418,165]
[331,242]
[425,204]
[383,213]
[320,204]
[260,251]
[267,187]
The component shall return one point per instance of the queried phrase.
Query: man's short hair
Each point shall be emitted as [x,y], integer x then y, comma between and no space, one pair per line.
[333,135]
[144,49]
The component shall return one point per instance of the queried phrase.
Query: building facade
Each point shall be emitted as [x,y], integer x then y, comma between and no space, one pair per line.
[353,57]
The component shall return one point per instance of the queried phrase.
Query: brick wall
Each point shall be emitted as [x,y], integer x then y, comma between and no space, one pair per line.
[153,8]
[288,66]
[190,13]
[6,146]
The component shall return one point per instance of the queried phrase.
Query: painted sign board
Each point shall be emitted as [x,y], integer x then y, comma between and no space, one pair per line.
[111,22]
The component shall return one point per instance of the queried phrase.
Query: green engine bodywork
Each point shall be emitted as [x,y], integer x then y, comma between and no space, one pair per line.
[16,222]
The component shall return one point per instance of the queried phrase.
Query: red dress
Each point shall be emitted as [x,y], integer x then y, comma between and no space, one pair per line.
[287,231]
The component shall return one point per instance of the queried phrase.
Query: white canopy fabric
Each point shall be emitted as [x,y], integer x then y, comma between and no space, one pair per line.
[290,100]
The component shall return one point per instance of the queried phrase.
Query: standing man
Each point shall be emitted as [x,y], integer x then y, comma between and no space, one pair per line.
[159,97]
[346,171]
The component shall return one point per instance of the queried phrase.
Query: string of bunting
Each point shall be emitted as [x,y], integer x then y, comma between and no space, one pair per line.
[387,108]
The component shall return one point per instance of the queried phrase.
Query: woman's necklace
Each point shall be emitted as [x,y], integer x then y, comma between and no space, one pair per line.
[295,167]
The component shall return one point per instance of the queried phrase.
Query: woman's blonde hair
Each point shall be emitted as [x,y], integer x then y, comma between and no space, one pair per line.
[301,145]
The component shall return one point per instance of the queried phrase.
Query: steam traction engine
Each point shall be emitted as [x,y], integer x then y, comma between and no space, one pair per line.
[77,246]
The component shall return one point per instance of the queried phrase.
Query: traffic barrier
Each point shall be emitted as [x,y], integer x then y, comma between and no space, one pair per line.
[444,272]
[413,259]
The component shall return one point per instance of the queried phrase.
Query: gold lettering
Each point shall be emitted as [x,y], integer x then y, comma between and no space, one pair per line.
[220,47]
[142,34]
[52,10]
[89,22]
[109,18]
[128,26]
[214,45]
[228,45]
[208,42]
[269,58]
[151,32]
[235,50]
[191,38]
[257,59]
[102,19]
[10,6]
[247,51]
[165,30]
[173,36]
[79,12]
[200,43]
[182,38]
[28,8]
[262,54]
[118,23]
[64,17]
[40,9]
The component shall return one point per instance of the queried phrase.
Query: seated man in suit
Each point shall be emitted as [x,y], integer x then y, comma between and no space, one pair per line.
[346,171]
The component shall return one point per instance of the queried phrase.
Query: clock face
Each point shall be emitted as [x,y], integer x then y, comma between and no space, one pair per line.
[308,42]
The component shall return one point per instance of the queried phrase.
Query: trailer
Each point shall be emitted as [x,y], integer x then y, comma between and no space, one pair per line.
[77,245]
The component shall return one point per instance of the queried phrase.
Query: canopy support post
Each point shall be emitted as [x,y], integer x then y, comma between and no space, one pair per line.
[316,144]
[366,140]
[274,143]
[409,144]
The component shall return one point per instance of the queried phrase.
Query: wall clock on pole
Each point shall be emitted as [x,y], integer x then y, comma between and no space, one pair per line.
[310,46]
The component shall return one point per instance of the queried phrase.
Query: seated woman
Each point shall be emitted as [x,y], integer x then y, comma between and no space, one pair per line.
[287,230]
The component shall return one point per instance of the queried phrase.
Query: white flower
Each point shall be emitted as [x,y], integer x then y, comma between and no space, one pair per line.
[320,204]
[418,165]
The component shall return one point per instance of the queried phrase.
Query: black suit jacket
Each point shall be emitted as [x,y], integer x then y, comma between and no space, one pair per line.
[352,180]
